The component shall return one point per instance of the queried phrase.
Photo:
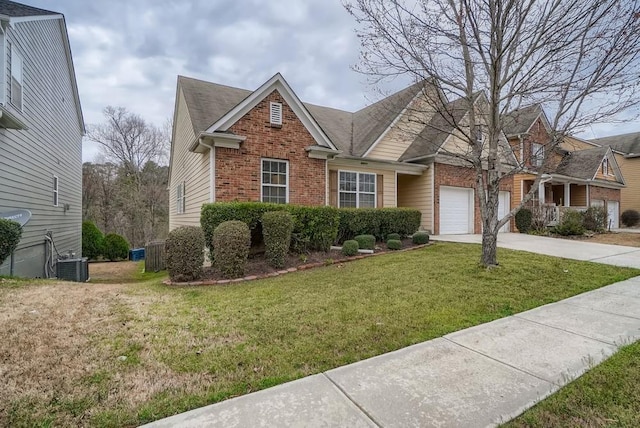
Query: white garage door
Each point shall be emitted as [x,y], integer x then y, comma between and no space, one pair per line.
[504,206]
[456,210]
[613,214]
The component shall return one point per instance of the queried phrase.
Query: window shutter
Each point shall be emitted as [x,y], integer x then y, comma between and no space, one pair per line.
[275,114]
[333,188]
[380,191]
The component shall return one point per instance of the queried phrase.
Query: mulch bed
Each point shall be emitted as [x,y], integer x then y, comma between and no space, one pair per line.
[258,268]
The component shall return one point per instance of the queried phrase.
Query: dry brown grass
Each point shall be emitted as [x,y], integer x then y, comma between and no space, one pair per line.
[627,239]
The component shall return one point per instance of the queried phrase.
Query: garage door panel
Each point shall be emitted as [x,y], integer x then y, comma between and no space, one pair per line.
[504,206]
[613,214]
[456,210]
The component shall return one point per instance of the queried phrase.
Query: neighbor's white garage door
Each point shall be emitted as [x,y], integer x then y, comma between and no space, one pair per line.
[504,206]
[613,214]
[456,210]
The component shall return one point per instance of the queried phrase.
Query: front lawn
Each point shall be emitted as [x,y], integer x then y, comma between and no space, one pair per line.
[125,354]
[608,395]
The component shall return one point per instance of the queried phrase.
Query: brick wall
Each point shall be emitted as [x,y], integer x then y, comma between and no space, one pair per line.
[537,134]
[603,193]
[458,176]
[238,171]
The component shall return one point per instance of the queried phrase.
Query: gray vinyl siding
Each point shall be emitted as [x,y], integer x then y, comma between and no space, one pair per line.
[51,146]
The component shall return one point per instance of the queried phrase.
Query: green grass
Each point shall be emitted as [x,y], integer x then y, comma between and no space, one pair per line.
[607,396]
[222,341]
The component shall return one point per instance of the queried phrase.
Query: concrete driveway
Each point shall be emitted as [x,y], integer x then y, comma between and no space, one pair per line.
[616,255]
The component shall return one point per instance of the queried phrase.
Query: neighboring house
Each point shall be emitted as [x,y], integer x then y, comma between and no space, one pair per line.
[626,149]
[41,129]
[577,175]
[266,145]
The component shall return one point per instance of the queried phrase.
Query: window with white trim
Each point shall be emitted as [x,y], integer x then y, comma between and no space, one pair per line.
[55,191]
[537,154]
[605,166]
[180,198]
[356,190]
[16,79]
[275,181]
[275,114]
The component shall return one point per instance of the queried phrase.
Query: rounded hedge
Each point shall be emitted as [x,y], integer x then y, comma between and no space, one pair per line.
[10,234]
[394,244]
[366,242]
[115,247]
[92,240]
[394,236]
[630,218]
[350,247]
[277,227]
[185,253]
[523,220]
[231,242]
[420,238]
[571,223]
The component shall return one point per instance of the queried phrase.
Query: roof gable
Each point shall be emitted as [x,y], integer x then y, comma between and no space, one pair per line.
[276,83]
[584,164]
[521,120]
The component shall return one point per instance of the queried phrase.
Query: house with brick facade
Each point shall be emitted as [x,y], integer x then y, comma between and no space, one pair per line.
[626,149]
[232,144]
[578,174]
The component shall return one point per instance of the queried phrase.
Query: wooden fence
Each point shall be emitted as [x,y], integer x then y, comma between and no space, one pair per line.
[154,256]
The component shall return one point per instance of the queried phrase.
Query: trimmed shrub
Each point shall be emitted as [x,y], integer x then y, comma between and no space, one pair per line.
[115,247]
[595,219]
[10,234]
[420,238]
[231,242]
[394,236]
[92,240]
[315,228]
[523,220]
[378,222]
[276,229]
[394,244]
[630,218]
[570,224]
[366,242]
[350,248]
[185,253]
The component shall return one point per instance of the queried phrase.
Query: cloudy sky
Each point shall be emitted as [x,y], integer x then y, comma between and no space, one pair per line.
[129,52]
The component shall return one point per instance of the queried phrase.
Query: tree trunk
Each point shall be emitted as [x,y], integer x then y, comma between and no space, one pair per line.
[489,248]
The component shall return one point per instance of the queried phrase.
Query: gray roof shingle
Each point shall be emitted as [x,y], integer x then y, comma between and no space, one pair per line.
[519,121]
[352,133]
[582,163]
[14,10]
[625,143]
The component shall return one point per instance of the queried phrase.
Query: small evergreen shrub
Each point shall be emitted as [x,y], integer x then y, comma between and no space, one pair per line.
[394,244]
[350,247]
[630,218]
[394,236]
[570,224]
[595,219]
[115,247]
[185,253]
[10,234]
[366,242]
[420,238]
[379,222]
[231,242]
[92,240]
[276,229]
[523,220]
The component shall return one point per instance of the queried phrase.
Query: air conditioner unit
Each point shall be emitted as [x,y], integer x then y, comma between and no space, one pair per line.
[73,269]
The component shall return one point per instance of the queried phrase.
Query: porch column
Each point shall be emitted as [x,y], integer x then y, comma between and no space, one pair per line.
[541,196]
[567,194]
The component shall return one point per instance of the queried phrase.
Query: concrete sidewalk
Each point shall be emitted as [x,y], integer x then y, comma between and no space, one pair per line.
[616,255]
[480,376]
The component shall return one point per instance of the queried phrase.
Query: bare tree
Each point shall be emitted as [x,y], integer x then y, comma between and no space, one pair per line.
[579,59]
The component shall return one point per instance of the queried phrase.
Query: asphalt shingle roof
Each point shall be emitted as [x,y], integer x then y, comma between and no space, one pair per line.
[582,163]
[519,121]
[13,9]
[625,143]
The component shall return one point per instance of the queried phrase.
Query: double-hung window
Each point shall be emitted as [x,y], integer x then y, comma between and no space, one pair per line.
[275,181]
[537,154]
[180,198]
[357,190]
[605,166]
